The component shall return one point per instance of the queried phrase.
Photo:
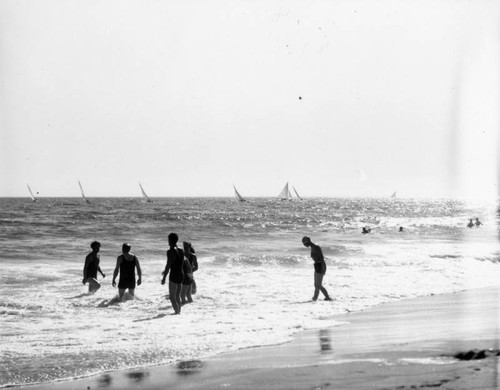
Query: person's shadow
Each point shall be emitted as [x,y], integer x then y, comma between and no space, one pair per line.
[161,315]
[81,295]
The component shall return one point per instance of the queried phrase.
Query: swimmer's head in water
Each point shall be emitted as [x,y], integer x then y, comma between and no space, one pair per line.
[126,248]
[306,241]
[95,245]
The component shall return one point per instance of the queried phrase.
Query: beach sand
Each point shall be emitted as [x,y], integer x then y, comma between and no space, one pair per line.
[408,344]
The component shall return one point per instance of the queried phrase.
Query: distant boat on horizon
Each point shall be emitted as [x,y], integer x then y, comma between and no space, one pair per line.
[285,193]
[31,194]
[145,196]
[83,193]
[239,198]
[394,194]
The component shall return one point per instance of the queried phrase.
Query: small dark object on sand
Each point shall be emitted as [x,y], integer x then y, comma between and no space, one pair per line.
[476,354]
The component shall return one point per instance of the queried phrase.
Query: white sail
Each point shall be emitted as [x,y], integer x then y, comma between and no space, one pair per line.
[296,193]
[393,194]
[285,193]
[83,193]
[239,198]
[146,197]
[31,194]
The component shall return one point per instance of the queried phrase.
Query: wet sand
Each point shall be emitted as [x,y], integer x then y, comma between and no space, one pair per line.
[410,344]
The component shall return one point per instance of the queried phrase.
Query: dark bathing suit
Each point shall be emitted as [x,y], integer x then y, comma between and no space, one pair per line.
[318,267]
[176,273]
[193,261]
[92,266]
[127,273]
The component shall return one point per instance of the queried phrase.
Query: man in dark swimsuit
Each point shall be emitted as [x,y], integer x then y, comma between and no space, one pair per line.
[175,259]
[91,268]
[319,268]
[126,264]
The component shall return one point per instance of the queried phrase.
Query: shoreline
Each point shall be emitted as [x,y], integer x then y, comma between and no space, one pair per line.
[405,344]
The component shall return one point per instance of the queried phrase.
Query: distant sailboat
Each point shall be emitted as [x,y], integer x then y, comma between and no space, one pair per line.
[394,194]
[31,194]
[83,193]
[146,197]
[239,198]
[296,193]
[285,193]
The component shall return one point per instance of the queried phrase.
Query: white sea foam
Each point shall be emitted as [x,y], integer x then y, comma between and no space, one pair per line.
[431,360]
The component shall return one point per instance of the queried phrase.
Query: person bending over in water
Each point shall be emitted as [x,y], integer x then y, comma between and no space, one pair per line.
[478,222]
[319,268]
[470,224]
[126,264]
[91,268]
[175,259]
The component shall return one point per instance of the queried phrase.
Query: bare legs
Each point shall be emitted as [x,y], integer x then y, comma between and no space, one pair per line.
[174,290]
[186,294]
[121,291]
[94,285]
[318,286]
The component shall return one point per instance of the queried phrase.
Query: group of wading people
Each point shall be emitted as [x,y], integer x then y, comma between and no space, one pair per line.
[181,263]
[180,267]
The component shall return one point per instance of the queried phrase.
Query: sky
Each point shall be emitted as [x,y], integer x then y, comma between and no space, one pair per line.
[338,98]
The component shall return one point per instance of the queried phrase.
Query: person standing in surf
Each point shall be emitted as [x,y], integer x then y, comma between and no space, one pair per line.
[187,281]
[91,268]
[175,259]
[126,264]
[319,268]
[189,252]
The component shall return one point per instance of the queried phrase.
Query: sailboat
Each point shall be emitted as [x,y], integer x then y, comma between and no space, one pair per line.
[296,193]
[239,198]
[285,193]
[146,197]
[31,194]
[83,194]
[394,194]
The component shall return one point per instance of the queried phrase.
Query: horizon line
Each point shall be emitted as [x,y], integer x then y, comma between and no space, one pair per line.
[497,198]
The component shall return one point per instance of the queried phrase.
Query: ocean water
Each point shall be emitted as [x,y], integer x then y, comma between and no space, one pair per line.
[255,280]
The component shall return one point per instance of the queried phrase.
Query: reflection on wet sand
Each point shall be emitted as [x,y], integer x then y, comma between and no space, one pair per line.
[105,380]
[189,367]
[324,340]
[138,376]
